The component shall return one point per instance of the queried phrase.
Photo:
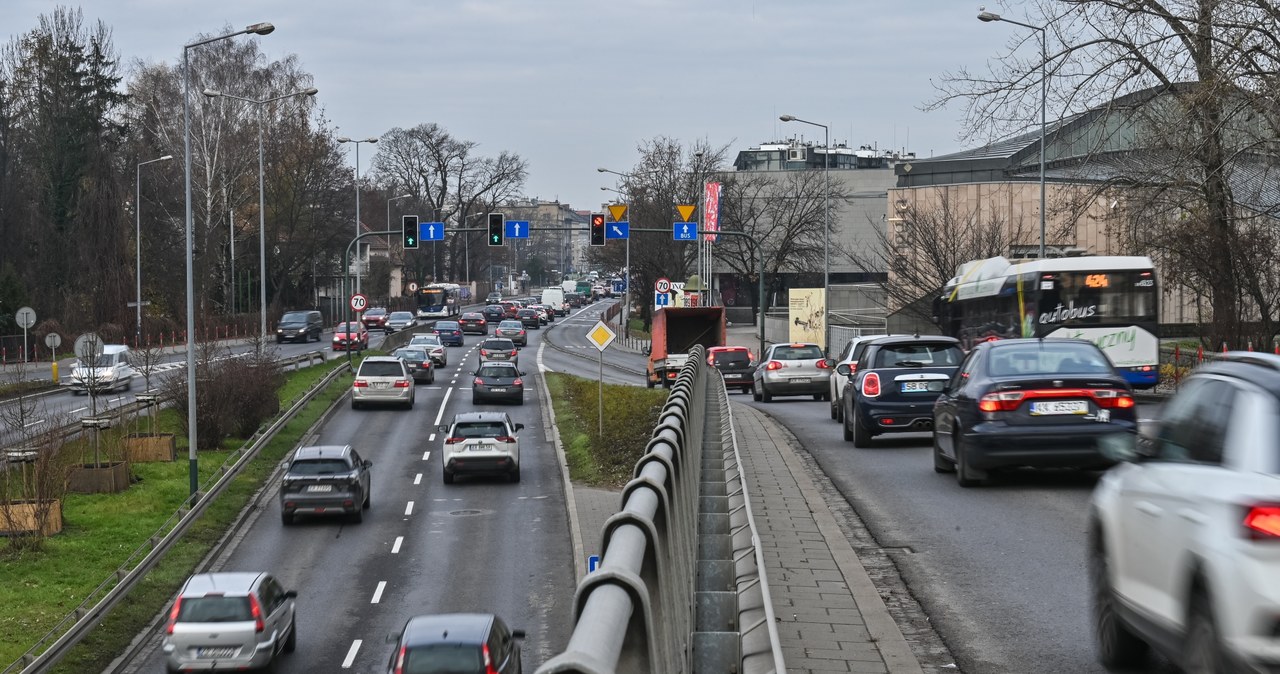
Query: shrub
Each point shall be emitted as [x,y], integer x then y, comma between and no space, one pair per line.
[234,396]
[630,414]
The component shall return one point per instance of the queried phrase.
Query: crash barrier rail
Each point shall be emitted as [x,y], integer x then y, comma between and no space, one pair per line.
[95,607]
[677,576]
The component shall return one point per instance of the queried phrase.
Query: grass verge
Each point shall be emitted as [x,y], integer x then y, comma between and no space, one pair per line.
[631,412]
[101,531]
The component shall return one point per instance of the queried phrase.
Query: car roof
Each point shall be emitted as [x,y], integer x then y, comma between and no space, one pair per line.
[1257,368]
[226,582]
[440,323]
[322,452]
[472,417]
[467,628]
[914,339]
[380,359]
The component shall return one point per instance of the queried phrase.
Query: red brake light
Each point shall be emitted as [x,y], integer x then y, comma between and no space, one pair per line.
[402,383]
[255,609]
[488,662]
[173,615]
[1007,401]
[484,352]
[1262,522]
[518,382]
[822,364]
[478,382]
[522,331]
[1112,398]
[773,365]
[505,438]
[400,661]
[871,385]
[360,383]
[453,441]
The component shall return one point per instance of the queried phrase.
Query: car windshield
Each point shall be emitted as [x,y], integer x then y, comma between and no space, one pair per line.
[374,312]
[380,368]
[480,429]
[443,659]
[294,317]
[401,316]
[472,317]
[798,352]
[1048,358]
[496,371]
[511,325]
[348,327]
[497,344]
[411,354]
[105,360]
[214,609]
[918,355]
[319,467]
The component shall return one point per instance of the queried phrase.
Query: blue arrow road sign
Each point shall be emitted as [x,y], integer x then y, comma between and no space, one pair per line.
[617,230]
[431,231]
[684,231]
[517,229]
[593,563]
[619,286]
[661,299]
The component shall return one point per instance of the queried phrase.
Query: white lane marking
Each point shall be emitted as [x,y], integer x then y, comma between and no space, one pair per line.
[377,594]
[351,654]
[37,421]
[408,508]
[541,368]
[426,456]
[79,409]
[432,438]
[395,547]
[417,479]
[443,403]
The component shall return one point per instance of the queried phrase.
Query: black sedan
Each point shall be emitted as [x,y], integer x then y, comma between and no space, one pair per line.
[1029,402]
[474,322]
[530,318]
[419,362]
[498,380]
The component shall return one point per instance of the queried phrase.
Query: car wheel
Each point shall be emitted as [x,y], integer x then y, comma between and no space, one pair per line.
[286,518]
[448,477]
[835,413]
[765,396]
[861,435]
[368,501]
[649,383]
[819,396]
[355,405]
[515,475]
[432,378]
[357,516]
[755,393]
[291,642]
[965,476]
[1118,647]
[1202,649]
[940,462]
[279,340]
[409,405]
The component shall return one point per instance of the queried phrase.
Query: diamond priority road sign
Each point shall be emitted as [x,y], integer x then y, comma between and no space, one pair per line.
[601,335]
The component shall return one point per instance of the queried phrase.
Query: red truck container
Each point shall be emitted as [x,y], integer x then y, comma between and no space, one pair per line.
[675,331]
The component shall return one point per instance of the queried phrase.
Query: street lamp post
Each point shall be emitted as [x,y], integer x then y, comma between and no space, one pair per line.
[257,29]
[137,213]
[262,210]
[1044,80]
[626,279]
[826,227]
[370,140]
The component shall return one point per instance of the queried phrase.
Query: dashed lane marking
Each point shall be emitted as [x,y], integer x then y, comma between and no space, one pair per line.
[395,547]
[377,593]
[351,654]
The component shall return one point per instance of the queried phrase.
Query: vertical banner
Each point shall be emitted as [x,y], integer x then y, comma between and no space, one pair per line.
[808,316]
[711,209]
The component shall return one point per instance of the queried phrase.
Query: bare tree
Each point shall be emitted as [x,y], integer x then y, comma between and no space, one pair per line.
[1184,96]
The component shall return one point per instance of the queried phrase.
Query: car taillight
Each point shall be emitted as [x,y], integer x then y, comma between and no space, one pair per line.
[1262,522]
[173,615]
[773,365]
[1112,398]
[484,352]
[453,441]
[400,661]
[871,385]
[822,365]
[255,609]
[518,382]
[478,382]
[427,363]
[505,438]
[488,662]
[1006,401]
[360,383]
[402,383]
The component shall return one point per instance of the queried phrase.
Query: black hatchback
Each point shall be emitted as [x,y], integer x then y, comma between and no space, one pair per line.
[530,318]
[457,643]
[896,383]
[1029,402]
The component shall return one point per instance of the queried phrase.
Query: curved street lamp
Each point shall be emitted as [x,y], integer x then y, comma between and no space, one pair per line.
[826,227]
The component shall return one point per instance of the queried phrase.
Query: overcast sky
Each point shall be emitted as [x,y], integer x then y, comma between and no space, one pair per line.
[575,84]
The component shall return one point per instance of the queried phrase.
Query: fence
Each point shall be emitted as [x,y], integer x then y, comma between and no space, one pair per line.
[680,570]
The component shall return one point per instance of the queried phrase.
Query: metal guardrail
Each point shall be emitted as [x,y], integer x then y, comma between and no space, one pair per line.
[94,608]
[681,568]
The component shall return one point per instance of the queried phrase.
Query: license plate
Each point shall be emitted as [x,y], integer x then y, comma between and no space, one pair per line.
[799,380]
[319,488]
[733,375]
[498,390]
[382,384]
[215,652]
[475,447]
[1059,407]
[915,386]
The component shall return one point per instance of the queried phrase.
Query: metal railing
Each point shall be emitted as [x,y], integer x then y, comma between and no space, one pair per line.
[681,567]
[93,609]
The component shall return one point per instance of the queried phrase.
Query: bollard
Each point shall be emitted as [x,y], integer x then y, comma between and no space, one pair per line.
[1250,346]
[1224,347]
[1199,354]
[55,371]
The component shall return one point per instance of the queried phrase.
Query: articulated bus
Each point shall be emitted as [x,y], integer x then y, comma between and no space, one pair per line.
[441,300]
[1112,301]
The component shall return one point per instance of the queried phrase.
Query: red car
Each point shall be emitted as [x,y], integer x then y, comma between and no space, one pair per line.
[510,308]
[375,318]
[473,322]
[350,337]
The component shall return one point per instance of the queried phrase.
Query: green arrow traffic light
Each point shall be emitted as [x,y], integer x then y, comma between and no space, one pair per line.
[409,224]
[497,228]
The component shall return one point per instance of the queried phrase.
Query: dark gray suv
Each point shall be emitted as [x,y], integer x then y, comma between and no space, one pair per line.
[299,326]
[326,480]
[457,643]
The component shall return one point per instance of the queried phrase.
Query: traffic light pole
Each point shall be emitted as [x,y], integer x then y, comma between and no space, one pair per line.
[346,272]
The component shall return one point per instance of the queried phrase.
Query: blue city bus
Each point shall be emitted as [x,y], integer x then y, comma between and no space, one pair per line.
[441,300]
[1112,301]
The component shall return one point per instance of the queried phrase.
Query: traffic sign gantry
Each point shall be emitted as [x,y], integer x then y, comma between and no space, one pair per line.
[359,302]
[431,231]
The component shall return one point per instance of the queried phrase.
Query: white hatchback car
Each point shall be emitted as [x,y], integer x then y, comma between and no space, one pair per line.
[1185,533]
[481,443]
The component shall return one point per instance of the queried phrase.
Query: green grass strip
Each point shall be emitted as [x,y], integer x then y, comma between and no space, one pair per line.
[630,413]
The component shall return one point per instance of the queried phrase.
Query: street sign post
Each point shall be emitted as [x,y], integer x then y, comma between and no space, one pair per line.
[517,229]
[26,318]
[359,302]
[601,336]
[684,231]
[88,347]
[431,231]
[617,230]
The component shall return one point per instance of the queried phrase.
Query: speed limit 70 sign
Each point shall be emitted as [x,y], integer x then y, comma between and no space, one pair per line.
[359,302]
[662,285]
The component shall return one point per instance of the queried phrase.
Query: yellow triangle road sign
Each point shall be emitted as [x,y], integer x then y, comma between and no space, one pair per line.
[618,211]
[686,212]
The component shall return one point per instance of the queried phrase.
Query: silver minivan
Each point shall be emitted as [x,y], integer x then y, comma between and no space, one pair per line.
[229,621]
[112,370]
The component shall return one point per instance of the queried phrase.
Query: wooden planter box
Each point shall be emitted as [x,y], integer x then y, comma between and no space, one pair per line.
[107,479]
[144,447]
[23,517]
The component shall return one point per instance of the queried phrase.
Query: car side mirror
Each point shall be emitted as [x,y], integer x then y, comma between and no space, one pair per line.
[524,374]
[393,637]
[291,594]
[519,426]
[368,464]
[443,428]
[517,634]
[843,369]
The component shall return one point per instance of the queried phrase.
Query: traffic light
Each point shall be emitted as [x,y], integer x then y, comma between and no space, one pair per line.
[597,229]
[410,225]
[497,227]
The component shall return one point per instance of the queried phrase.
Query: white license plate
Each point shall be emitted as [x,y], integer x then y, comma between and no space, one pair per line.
[1059,407]
[320,488]
[799,380]
[215,652]
[476,447]
[915,386]
[497,390]
[382,384]
[733,375]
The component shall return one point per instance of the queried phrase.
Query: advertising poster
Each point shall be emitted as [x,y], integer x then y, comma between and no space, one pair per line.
[807,316]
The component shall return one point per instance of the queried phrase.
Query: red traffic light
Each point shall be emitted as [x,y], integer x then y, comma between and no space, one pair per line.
[597,229]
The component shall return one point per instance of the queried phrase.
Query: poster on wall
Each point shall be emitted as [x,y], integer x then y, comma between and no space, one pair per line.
[807,317]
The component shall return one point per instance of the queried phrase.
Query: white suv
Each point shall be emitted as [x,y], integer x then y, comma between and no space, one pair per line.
[481,443]
[1185,533]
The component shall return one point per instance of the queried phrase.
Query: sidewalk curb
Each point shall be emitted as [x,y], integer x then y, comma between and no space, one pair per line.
[893,646]
[552,432]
